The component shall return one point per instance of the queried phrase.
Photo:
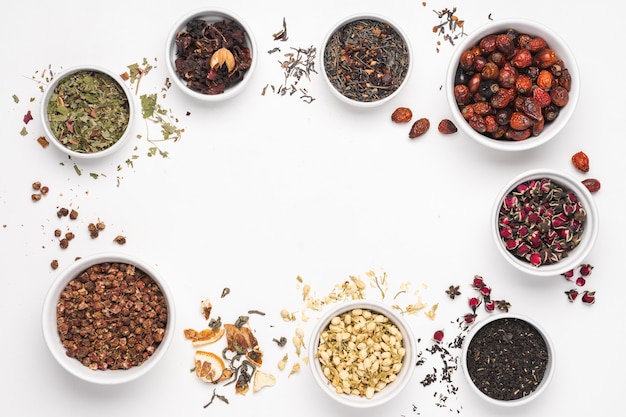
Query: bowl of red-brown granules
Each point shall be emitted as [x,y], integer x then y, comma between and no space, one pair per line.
[512,84]
[508,359]
[544,222]
[108,318]
[210,54]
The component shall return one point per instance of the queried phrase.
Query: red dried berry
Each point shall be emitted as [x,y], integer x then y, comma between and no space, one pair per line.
[420,127]
[581,161]
[446,127]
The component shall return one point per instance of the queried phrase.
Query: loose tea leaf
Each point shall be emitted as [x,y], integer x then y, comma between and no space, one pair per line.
[507,359]
[88,111]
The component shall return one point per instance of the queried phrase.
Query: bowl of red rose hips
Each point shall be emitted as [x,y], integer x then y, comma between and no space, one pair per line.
[108,318]
[512,84]
[211,54]
[544,222]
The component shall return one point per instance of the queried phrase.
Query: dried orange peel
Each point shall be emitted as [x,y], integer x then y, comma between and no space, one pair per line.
[209,366]
[204,337]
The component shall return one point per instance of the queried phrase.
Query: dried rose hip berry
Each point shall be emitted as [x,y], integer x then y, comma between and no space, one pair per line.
[402,115]
[592,184]
[420,127]
[515,71]
[446,127]
[581,161]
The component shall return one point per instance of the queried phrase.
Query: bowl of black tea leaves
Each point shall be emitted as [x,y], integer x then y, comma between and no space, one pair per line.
[366,60]
[508,359]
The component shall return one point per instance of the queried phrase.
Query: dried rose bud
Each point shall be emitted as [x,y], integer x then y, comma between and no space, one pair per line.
[569,274]
[485,291]
[589,297]
[535,259]
[478,282]
[490,305]
[580,281]
[438,336]
[474,302]
[571,295]
[469,318]
[585,269]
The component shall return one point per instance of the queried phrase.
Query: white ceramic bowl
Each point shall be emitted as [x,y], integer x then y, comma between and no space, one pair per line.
[467,351]
[409,64]
[393,388]
[577,255]
[210,15]
[74,366]
[554,42]
[46,123]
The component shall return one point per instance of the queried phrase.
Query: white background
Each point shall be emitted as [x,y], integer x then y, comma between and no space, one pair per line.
[262,189]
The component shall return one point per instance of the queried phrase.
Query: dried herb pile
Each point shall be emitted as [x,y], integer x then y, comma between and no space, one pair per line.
[88,111]
[212,56]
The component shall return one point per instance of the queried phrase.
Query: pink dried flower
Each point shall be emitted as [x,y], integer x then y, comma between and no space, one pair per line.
[474,302]
[589,297]
[485,291]
[438,336]
[571,295]
[580,281]
[478,282]
[569,274]
[585,269]
[469,318]
[490,305]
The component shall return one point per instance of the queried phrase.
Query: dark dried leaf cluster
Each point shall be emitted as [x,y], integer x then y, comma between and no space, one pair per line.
[196,45]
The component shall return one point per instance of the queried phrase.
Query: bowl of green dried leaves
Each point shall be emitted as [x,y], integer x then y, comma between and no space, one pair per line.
[87,111]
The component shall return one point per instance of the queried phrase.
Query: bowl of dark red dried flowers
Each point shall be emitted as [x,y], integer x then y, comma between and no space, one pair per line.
[512,84]
[87,111]
[108,318]
[366,60]
[362,353]
[210,54]
[544,222]
[508,359]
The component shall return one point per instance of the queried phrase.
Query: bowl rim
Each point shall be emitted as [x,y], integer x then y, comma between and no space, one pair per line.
[555,41]
[381,18]
[49,320]
[550,369]
[58,77]
[590,233]
[210,14]
[408,367]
